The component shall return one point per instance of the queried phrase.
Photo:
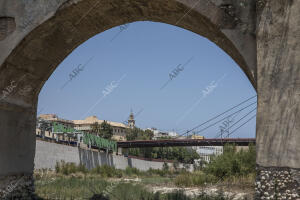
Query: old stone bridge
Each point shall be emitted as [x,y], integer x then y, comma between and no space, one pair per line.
[262,36]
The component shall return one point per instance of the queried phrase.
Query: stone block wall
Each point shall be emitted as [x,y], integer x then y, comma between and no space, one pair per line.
[277,183]
[17,187]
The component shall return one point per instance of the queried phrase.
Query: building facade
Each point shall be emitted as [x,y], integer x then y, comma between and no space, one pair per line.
[207,152]
[157,134]
[44,127]
[119,129]
[197,137]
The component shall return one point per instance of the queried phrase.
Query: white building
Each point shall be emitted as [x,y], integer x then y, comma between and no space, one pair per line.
[159,134]
[172,134]
[206,152]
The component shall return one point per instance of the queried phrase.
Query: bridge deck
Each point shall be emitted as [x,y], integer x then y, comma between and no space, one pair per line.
[186,142]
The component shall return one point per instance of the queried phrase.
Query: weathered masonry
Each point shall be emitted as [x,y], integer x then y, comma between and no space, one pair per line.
[262,36]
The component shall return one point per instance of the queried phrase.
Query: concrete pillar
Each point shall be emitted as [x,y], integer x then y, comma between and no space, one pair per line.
[17,150]
[278,119]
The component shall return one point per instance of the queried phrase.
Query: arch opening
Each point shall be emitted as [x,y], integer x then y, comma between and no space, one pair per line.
[96,69]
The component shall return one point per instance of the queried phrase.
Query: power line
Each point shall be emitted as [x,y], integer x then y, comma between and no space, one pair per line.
[225,118]
[217,121]
[242,125]
[218,115]
[236,122]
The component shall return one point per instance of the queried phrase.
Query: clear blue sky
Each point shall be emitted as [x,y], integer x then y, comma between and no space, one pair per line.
[135,65]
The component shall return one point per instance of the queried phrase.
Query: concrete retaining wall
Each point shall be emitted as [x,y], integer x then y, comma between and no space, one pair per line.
[47,154]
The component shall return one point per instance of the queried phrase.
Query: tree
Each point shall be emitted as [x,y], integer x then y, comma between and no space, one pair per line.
[232,163]
[181,154]
[132,134]
[138,134]
[44,126]
[96,128]
[149,133]
[106,131]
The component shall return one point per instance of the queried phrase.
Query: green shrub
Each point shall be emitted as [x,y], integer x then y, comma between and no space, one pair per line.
[57,167]
[130,171]
[202,179]
[82,168]
[159,172]
[66,168]
[176,165]
[194,179]
[181,154]
[64,187]
[107,171]
[165,166]
[184,180]
[127,191]
[232,163]
[69,168]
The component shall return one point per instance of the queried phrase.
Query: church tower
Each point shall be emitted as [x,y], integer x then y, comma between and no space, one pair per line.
[131,121]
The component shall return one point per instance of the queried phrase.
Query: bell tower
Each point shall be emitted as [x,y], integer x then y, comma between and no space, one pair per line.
[131,121]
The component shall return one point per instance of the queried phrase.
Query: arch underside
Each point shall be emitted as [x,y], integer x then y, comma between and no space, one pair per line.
[43,49]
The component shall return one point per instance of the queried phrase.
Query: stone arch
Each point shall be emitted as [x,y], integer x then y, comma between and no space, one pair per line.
[36,35]
[47,32]
[43,48]
[45,43]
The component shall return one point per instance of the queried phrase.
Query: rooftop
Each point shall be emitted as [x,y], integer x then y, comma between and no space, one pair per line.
[89,120]
[93,119]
